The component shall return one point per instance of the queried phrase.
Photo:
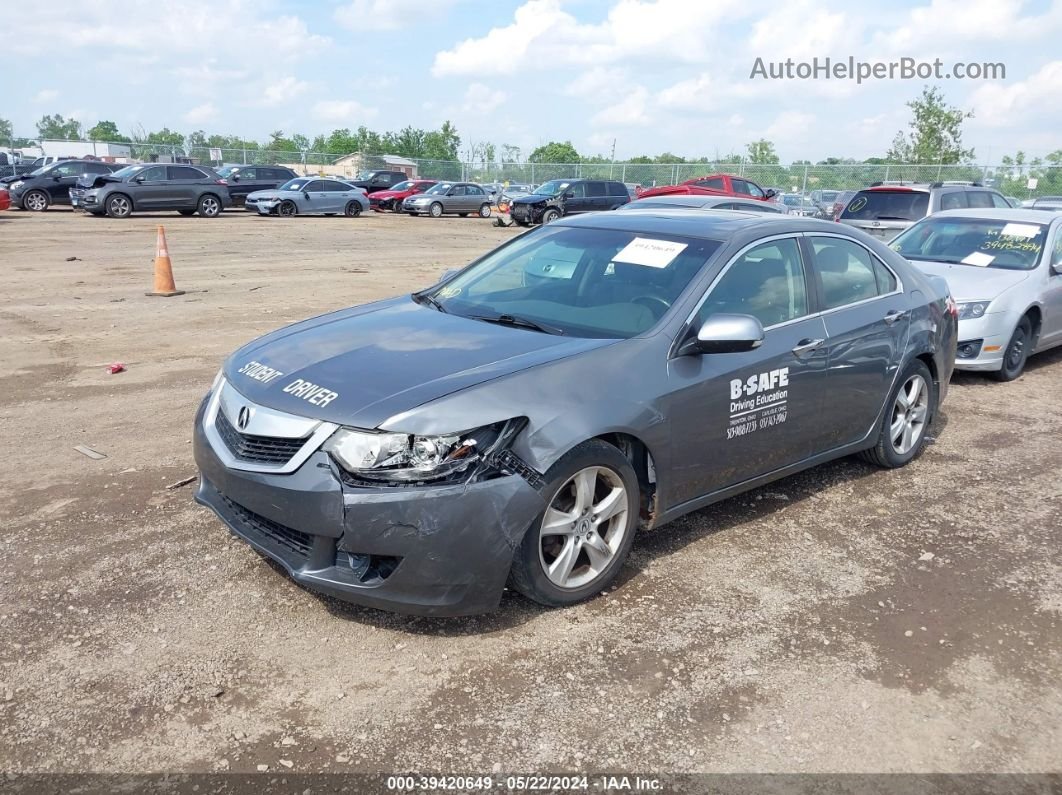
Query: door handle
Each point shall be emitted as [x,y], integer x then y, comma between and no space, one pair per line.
[895,314]
[806,345]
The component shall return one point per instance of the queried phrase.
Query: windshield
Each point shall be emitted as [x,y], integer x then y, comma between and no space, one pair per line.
[888,205]
[603,283]
[227,171]
[295,184]
[128,171]
[977,242]
[442,187]
[552,188]
[403,185]
[829,196]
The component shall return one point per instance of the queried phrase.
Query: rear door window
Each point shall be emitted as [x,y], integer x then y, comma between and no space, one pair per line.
[595,189]
[617,189]
[999,201]
[956,200]
[715,183]
[887,205]
[845,272]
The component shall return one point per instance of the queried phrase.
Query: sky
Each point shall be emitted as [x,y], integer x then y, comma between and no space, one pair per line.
[650,75]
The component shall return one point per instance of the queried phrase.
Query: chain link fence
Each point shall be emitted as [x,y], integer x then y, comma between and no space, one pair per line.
[1022,182]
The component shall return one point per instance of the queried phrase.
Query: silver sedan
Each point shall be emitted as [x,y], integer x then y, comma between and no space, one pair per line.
[309,196]
[460,198]
[1004,268]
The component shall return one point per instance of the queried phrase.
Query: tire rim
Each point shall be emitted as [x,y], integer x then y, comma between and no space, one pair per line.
[119,206]
[287,209]
[36,202]
[549,217]
[354,210]
[909,415]
[484,211]
[1016,350]
[583,528]
[436,210]
[209,206]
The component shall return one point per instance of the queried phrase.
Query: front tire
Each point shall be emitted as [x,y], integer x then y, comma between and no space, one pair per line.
[484,211]
[287,209]
[910,410]
[209,206]
[1017,352]
[119,206]
[577,546]
[436,210]
[549,216]
[35,201]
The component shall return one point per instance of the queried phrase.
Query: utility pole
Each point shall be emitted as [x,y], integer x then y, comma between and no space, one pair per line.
[613,159]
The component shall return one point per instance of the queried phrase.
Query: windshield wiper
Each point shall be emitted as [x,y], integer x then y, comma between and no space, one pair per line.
[519,322]
[424,298]
[890,218]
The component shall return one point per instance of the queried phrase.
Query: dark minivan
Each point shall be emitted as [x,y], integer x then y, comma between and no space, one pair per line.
[154,186]
[247,179]
[50,185]
[559,197]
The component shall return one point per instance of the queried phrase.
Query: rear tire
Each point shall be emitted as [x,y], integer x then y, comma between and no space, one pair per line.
[352,210]
[909,412]
[1017,352]
[577,546]
[209,206]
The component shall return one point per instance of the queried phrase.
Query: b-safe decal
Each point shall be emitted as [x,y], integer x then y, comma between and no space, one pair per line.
[759,402]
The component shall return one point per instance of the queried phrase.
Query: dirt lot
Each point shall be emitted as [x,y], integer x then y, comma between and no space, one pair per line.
[847,619]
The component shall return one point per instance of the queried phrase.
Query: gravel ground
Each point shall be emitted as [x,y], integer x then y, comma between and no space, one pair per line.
[847,619]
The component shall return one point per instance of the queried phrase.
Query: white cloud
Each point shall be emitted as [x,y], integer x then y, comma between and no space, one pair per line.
[45,95]
[201,114]
[802,30]
[599,82]
[628,112]
[789,125]
[696,93]
[284,90]
[359,15]
[482,99]
[543,33]
[348,112]
[1022,103]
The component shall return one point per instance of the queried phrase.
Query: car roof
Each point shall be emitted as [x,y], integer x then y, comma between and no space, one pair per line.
[686,200]
[717,225]
[1032,216]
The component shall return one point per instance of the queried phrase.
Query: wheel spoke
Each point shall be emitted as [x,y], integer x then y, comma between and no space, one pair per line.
[896,429]
[613,503]
[901,399]
[557,523]
[915,393]
[561,568]
[918,413]
[585,483]
[598,550]
[908,437]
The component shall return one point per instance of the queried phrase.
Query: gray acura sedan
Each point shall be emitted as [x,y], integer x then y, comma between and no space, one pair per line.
[519,421]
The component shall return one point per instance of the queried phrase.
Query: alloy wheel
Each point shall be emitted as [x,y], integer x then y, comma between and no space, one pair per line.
[36,201]
[119,206]
[584,527]
[909,414]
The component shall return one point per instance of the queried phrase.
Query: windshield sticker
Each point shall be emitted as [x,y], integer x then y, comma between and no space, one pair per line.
[1020,230]
[978,259]
[449,292]
[760,401]
[858,204]
[649,252]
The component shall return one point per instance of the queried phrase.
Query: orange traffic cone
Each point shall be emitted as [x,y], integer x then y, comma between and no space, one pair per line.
[164,285]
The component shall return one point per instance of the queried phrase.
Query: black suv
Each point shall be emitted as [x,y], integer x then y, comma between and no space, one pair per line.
[378,180]
[558,197]
[50,185]
[154,186]
[249,178]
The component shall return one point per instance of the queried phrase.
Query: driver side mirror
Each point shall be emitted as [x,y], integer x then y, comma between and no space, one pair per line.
[235,177]
[723,333]
[138,179]
[569,195]
[770,193]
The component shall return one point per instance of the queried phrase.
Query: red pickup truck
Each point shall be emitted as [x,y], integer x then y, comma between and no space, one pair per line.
[712,185]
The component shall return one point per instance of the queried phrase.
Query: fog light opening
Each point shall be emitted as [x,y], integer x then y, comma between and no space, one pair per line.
[367,569]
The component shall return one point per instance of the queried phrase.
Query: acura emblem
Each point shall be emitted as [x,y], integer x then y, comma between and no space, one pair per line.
[243,418]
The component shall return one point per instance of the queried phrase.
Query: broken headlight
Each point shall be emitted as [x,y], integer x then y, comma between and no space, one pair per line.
[404,457]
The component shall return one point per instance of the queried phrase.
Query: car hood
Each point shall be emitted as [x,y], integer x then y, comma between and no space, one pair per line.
[271,194]
[386,358]
[389,194]
[971,283]
[532,198]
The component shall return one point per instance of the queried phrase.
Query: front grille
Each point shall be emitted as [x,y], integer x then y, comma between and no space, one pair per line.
[256,449]
[293,540]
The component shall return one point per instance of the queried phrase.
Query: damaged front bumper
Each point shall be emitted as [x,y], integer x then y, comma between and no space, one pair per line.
[430,550]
